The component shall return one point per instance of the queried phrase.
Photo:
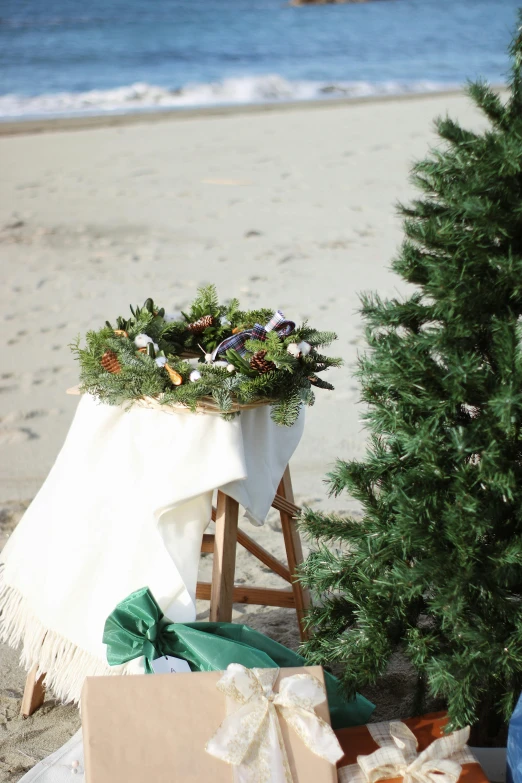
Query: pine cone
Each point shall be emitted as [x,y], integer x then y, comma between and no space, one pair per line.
[109,362]
[201,324]
[259,363]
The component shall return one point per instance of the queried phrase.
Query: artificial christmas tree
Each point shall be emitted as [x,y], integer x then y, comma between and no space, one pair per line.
[434,567]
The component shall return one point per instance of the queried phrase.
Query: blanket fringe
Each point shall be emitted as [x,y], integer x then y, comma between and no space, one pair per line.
[64,664]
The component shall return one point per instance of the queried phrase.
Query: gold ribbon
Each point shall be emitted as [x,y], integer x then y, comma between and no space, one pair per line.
[250,736]
[440,762]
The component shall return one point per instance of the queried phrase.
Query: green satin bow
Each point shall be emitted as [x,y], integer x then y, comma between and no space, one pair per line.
[137,627]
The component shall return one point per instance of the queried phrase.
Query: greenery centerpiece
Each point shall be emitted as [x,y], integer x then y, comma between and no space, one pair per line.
[214,354]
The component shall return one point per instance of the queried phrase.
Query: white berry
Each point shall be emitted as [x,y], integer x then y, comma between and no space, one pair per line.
[142,340]
[304,348]
[293,349]
[231,368]
[195,375]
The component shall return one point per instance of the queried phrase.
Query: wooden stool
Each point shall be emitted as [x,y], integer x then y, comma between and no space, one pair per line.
[222,592]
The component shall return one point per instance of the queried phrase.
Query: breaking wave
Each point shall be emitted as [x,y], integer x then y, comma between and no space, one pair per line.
[246,90]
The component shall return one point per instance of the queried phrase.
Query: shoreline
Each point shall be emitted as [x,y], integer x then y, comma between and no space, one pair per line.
[18,127]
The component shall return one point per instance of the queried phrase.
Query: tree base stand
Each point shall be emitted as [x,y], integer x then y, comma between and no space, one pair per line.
[222,592]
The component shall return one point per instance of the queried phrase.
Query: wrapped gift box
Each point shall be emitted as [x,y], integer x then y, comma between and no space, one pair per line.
[155,728]
[358,741]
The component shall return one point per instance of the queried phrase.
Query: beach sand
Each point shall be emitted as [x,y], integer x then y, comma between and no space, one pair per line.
[286,209]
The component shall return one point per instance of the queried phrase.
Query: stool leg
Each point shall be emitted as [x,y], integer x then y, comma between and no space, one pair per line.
[34,693]
[224,565]
[294,553]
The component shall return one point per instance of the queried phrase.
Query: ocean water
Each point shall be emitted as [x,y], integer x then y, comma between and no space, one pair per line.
[65,57]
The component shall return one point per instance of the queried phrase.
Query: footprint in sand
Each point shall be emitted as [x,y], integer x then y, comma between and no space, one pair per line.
[5,386]
[17,416]
[13,428]
[17,435]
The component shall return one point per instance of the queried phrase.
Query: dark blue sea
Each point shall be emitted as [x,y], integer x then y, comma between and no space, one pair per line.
[73,56]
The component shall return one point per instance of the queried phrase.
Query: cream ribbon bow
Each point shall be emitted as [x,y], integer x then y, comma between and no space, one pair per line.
[250,736]
[397,757]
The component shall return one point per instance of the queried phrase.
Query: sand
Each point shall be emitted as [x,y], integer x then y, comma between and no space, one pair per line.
[285,209]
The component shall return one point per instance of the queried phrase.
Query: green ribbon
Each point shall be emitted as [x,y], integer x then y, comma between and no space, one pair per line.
[137,627]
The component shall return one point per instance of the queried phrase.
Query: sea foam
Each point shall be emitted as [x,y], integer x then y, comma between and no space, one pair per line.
[268,88]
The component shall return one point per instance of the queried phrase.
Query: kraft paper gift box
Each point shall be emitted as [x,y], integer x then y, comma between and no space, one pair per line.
[358,741]
[154,729]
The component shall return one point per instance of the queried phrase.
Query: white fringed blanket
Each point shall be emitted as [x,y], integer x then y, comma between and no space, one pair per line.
[125,506]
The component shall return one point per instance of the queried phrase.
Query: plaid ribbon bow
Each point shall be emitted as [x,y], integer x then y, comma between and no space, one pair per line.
[258,332]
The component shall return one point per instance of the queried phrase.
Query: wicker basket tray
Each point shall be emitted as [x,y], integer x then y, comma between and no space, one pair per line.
[205,405]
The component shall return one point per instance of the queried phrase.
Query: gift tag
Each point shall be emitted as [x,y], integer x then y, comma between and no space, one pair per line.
[167,664]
